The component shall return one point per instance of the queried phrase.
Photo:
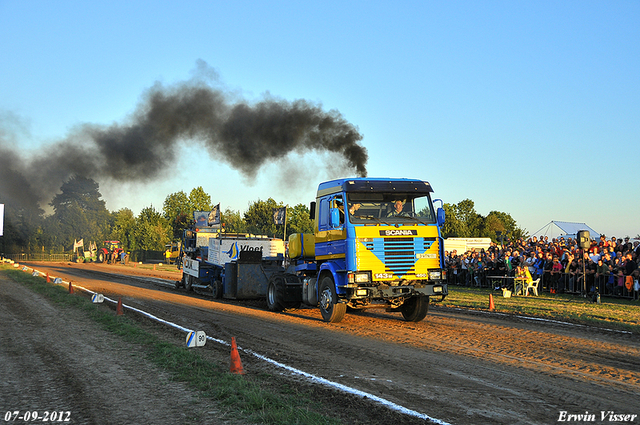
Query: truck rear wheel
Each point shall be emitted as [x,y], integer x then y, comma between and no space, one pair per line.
[274,296]
[331,310]
[277,299]
[415,308]
[188,280]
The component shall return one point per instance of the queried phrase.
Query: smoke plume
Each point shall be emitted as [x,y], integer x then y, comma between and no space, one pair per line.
[244,134]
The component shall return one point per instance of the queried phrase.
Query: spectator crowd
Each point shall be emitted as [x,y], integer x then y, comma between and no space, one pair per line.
[608,267]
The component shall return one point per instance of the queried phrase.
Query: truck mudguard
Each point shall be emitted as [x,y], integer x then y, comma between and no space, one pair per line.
[338,271]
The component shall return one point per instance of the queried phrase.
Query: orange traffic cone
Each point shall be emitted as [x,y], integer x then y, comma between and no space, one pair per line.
[119,311]
[236,364]
[491,304]
[48,280]
[70,288]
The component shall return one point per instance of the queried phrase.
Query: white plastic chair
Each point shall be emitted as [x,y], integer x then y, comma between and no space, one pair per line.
[533,285]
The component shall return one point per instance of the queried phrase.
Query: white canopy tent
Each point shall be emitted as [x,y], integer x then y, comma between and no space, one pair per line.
[565,230]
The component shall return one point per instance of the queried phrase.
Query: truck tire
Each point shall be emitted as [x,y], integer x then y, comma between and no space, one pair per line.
[415,308]
[331,310]
[100,258]
[216,289]
[277,299]
[275,294]
[188,280]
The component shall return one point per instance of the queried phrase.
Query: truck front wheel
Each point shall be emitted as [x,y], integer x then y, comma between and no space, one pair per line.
[415,308]
[100,257]
[331,310]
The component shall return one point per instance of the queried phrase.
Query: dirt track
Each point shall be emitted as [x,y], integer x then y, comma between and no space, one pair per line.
[458,367]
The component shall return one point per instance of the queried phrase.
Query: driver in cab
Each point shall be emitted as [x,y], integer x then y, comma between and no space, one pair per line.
[397,209]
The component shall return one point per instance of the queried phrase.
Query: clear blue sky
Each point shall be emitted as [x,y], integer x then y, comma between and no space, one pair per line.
[526,107]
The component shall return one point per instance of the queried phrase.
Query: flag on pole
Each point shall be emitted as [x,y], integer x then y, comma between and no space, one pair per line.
[78,244]
[279,215]
[1,218]
[214,216]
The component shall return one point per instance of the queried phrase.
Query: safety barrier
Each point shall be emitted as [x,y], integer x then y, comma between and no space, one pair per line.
[39,257]
[609,285]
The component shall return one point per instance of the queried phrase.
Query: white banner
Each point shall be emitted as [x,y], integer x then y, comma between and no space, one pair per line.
[79,244]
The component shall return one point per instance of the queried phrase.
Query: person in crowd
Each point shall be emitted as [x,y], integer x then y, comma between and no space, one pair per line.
[630,266]
[602,276]
[556,270]
[636,285]
[539,265]
[594,256]
[522,279]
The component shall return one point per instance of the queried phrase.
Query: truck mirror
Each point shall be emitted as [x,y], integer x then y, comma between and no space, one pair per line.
[334,219]
[312,211]
[441,216]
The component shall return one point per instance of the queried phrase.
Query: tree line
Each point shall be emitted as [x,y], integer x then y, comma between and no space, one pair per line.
[79,212]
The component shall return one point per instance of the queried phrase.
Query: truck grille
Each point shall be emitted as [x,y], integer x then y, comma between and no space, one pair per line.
[400,254]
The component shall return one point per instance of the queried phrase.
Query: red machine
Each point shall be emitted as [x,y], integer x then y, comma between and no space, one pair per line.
[110,252]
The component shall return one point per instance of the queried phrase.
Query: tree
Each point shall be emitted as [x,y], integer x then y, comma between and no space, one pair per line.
[199,200]
[233,221]
[298,220]
[503,222]
[177,211]
[79,212]
[259,218]
[152,231]
[452,225]
[124,228]
[470,220]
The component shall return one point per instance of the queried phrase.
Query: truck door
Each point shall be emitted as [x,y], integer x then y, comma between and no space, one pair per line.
[331,237]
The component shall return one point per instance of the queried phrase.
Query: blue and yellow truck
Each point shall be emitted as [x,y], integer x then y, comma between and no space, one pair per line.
[376,244]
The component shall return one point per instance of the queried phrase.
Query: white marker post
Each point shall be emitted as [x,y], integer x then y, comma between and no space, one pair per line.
[97,298]
[196,339]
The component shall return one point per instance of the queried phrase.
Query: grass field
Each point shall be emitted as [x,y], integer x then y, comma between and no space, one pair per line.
[614,313]
[254,398]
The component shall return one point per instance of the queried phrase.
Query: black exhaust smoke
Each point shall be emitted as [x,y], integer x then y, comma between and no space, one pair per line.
[245,135]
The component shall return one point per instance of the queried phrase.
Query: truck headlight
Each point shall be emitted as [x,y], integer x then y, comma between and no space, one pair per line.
[437,289]
[358,277]
[435,274]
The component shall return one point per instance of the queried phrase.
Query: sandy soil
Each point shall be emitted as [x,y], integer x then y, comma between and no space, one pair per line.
[455,366]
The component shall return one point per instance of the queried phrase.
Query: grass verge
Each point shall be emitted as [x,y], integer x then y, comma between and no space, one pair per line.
[251,398]
[613,313]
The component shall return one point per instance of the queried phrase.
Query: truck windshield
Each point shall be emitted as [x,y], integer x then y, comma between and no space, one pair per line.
[394,207]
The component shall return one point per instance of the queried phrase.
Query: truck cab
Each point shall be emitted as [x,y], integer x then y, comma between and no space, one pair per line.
[377,244]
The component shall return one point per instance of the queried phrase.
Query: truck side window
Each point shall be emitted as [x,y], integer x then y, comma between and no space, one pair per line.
[337,203]
[323,214]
